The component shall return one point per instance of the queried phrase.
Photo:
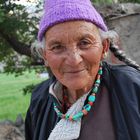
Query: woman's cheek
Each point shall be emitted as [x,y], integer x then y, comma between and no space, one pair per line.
[54,61]
[93,55]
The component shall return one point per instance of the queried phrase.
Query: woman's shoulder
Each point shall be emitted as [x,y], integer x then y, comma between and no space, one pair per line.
[122,79]
[41,105]
[41,92]
[122,71]
[40,89]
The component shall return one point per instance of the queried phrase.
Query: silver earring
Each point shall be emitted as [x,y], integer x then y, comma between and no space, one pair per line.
[105,55]
[46,63]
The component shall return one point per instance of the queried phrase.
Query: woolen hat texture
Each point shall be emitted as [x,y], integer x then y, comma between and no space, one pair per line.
[59,11]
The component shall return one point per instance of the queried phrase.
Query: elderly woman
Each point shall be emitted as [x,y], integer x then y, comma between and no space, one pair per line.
[86,98]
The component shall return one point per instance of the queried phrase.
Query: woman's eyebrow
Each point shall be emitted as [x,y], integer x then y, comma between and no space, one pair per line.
[87,36]
[53,42]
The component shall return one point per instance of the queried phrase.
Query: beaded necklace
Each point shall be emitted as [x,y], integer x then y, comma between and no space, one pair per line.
[87,107]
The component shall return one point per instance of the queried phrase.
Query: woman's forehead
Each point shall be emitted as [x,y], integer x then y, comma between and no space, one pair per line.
[71,29]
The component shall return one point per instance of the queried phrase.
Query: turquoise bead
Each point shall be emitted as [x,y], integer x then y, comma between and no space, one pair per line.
[67,117]
[98,81]
[87,107]
[100,72]
[56,109]
[91,98]
[95,89]
[77,116]
[59,114]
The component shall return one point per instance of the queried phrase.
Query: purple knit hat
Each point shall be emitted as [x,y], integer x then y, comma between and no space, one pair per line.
[59,11]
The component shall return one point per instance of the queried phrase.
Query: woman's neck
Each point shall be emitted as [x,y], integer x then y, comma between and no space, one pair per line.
[74,95]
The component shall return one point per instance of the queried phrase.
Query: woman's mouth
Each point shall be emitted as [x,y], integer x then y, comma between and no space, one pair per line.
[75,71]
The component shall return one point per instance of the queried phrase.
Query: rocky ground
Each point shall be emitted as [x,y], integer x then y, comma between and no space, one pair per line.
[12,130]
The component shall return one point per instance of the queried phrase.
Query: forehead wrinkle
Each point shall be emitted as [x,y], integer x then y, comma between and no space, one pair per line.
[71,38]
[84,31]
[80,32]
[68,33]
[53,39]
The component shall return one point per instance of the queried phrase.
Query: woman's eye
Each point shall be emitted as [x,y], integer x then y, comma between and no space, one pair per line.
[84,44]
[57,48]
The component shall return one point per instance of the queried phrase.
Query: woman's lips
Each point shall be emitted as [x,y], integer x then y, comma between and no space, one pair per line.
[75,71]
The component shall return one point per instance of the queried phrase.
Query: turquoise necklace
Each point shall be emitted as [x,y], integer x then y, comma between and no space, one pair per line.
[87,107]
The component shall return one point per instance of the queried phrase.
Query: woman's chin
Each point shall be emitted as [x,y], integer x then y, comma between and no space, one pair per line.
[77,84]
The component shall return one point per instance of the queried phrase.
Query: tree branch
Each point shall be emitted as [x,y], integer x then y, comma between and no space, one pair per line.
[18,46]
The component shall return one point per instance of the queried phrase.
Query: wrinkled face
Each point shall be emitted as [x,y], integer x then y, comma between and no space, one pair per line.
[73,51]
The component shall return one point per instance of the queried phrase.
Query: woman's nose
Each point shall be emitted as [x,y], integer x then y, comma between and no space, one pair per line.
[73,57]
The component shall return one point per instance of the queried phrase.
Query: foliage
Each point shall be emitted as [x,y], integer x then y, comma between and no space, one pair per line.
[132,1]
[18,30]
[28,88]
[102,1]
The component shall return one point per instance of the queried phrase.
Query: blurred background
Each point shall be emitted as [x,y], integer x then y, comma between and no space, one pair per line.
[20,71]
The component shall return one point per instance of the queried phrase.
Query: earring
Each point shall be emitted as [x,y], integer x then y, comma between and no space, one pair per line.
[46,63]
[105,55]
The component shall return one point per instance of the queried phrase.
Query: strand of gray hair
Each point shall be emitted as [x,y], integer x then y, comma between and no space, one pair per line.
[119,54]
[122,56]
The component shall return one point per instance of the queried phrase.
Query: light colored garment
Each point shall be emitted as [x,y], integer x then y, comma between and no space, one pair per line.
[65,129]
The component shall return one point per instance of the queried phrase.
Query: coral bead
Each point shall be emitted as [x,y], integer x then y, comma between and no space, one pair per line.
[71,118]
[84,112]
[90,103]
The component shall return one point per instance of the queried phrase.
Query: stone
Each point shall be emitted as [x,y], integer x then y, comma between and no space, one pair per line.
[10,132]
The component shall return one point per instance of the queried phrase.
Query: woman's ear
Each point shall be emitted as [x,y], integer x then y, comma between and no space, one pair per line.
[105,44]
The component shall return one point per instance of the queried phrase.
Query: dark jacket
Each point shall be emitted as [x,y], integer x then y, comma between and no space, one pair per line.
[123,84]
